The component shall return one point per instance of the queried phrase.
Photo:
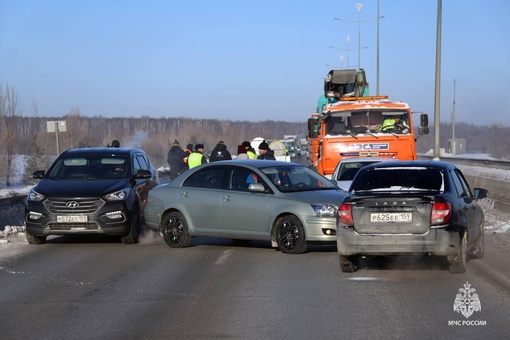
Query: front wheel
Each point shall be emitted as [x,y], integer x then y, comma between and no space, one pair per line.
[134,228]
[32,239]
[458,262]
[175,230]
[290,235]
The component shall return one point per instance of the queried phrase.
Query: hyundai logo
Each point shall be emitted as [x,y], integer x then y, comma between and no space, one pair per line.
[72,204]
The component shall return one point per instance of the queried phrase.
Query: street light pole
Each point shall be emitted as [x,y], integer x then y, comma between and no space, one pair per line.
[454,145]
[437,93]
[377,71]
[358,6]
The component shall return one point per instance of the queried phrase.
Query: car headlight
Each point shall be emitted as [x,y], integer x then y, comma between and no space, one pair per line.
[117,195]
[325,210]
[34,196]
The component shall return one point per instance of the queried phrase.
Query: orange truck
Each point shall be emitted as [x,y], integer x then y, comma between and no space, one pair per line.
[347,126]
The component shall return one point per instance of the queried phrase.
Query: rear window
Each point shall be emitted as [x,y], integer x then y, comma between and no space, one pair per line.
[399,179]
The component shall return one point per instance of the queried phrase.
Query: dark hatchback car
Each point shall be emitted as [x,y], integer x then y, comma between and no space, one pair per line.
[91,191]
[411,208]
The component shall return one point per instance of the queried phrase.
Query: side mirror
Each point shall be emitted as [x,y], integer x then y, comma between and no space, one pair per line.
[480,193]
[257,187]
[38,174]
[424,120]
[143,174]
[312,128]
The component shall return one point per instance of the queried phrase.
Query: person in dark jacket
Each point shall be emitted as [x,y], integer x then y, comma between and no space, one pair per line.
[265,152]
[250,151]
[187,152]
[175,159]
[220,153]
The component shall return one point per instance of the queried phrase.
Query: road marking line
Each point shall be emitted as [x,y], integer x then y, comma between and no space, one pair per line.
[223,258]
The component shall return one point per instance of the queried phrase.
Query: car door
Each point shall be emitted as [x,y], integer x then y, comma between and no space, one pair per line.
[244,214]
[473,212]
[200,200]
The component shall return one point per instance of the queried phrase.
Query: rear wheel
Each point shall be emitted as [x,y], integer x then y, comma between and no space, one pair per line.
[134,230]
[290,235]
[348,264]
[32,239]
[175,230]
[458,262]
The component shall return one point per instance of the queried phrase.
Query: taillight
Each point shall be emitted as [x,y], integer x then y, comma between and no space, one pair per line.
[441,212]
[345,214]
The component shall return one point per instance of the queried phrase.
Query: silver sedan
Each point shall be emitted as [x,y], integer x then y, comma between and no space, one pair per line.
[285,203]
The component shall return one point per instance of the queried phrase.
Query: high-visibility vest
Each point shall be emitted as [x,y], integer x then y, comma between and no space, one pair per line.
[390,122]
[252,155]
[195,159]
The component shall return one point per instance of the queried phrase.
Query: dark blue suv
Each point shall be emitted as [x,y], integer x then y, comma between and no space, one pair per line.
[91,191]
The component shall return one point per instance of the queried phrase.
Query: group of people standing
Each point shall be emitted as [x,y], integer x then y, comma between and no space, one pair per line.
[181,160]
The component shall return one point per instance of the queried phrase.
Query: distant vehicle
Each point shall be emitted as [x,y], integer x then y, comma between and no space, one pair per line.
[91,191]
[411,208]
[347,168]
[276,145]
[349,123]
[287,204]
[292,145]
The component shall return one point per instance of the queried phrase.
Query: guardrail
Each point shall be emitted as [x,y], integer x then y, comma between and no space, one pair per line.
[493,175]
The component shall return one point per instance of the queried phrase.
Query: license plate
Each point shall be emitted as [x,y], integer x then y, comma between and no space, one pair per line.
[72,219]
[391,217]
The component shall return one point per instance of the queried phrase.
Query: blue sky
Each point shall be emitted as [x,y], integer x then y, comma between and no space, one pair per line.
[257,60]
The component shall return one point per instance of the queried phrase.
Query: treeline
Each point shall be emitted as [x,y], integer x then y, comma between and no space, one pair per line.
[154,135]
[29,136]
[486,139]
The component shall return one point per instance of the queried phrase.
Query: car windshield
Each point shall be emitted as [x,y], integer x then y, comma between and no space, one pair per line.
[399,179]
[292,178]
[90,167]
[364,121]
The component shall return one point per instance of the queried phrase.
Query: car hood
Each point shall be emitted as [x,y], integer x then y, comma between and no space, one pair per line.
[319,196]
[80,188]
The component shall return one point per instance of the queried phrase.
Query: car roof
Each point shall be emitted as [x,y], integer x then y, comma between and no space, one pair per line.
[415,163]
[364,159]
[258,163]
[101,151]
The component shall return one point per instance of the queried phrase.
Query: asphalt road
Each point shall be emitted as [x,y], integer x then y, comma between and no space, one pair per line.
[98,288]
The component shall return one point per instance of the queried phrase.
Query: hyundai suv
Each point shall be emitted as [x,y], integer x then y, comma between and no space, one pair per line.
[91,191]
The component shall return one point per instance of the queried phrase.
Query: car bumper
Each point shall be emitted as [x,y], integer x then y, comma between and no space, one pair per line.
[435,242]
[319,229]
[111,219]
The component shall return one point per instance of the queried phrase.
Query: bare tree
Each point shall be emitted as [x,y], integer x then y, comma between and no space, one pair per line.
[10,111]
